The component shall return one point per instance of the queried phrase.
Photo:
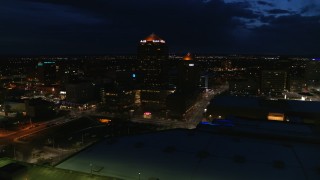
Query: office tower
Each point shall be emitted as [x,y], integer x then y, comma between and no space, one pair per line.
[116,99]
[189,76]
[152,55]
[187,91]
[151,72]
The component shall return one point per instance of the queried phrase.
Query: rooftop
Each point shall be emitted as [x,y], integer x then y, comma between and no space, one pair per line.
[246,106]
[152,38]
[187,57]
[201,154]
[9,170]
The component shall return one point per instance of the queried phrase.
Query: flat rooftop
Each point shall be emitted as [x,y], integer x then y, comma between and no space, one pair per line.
[258,108]
[197,154]
[36,172]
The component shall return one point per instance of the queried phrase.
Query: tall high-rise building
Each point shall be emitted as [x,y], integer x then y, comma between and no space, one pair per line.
[189,76]
[187,91]
[151,72]
[152,55]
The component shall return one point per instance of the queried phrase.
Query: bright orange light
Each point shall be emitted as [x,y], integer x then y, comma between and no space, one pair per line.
[106,121]
[188,57]
[276,117]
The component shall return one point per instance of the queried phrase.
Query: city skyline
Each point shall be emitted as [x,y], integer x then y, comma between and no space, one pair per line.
[53,27]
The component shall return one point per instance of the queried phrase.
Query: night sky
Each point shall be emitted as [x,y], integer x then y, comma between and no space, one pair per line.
[40,27]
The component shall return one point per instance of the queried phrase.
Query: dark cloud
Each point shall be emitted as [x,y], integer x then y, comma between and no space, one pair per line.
[265,3]
[291,34]
[310,9]
[74,26]
[267,18]
[279,11]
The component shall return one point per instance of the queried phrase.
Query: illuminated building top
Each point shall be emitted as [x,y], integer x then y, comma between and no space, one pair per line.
[153,38]
[188,57]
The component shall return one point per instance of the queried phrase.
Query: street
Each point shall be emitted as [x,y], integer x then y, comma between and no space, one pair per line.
[193,116]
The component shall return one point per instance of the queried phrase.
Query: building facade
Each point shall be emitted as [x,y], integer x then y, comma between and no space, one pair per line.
[151,72]
[188,88]
[273,82]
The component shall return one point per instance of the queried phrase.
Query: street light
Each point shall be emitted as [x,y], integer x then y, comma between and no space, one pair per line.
[139,175]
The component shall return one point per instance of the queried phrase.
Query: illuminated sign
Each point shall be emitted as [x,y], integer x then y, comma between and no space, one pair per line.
[63,92]
[48,62]
[191,64]
[147,115]
[155,41]
[276,117]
